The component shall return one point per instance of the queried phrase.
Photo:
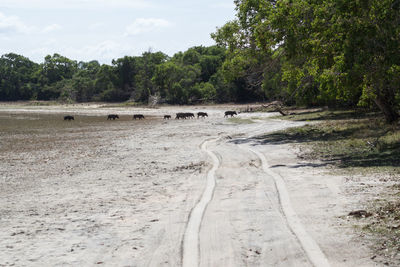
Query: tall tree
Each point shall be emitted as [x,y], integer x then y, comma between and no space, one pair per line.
[17,81]
[55,68]
[147,64]
[336,49]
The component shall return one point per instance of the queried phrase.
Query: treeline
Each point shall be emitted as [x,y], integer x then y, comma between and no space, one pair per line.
[188,77]
[303,52]
[312,52]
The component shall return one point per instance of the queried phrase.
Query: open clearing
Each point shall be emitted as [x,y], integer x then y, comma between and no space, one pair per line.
[125,192]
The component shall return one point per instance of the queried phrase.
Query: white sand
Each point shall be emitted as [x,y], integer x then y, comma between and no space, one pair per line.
[122,195]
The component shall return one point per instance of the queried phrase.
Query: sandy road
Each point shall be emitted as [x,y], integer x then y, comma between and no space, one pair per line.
[246,216]
[191,238]
[311,248]
[251,222]
[124,193]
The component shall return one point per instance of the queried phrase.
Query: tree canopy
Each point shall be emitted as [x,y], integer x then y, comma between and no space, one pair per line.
[330,52]
[187,77]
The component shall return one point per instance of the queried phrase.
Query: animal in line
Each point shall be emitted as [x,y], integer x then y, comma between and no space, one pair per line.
[184,115]
[112,117]
[202,114]
[180,115]
[190,115]
[138,116]
[68,118]
[230,113]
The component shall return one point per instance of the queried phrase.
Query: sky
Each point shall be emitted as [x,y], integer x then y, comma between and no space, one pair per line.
[103,30]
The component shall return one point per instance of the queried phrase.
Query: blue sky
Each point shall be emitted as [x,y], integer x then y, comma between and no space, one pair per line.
[108,29]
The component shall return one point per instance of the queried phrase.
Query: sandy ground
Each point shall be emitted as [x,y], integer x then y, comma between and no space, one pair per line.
[125,192]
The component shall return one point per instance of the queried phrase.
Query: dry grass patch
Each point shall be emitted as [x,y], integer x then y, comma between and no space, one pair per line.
[356,143]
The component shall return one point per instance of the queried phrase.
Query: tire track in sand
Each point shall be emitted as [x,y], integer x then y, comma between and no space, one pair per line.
[311,248]
[190,246]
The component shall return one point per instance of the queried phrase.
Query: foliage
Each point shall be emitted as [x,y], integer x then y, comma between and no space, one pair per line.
[346,139]
[17,77]
[187,77]
[331,52]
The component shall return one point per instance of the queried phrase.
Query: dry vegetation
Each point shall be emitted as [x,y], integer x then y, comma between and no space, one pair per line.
[356,143]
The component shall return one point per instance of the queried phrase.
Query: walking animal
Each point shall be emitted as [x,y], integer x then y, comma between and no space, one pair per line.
[202,114]
[138,116]
[189,115]
[180,115]
[167,117]
[68,118]
[230,113]
[112,116]
[184,115]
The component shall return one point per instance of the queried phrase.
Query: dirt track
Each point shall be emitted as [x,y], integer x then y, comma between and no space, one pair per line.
[122,193]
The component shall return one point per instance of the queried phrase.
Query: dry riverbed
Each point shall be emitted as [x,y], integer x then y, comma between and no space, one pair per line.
[121,193]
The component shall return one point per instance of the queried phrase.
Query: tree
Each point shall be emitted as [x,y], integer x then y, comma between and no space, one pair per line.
[125,68]
[17,81]
[165,76]
[245,64]
[341,50]
[184,78]
[81,87]
[147,64]
[55,68]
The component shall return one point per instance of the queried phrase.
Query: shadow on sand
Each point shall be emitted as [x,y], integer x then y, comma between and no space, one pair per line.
[348,146]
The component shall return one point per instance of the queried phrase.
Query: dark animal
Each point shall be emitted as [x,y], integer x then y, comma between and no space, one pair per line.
[184,115]
[189,115]
[201,114]
[68,118]
[138,116]
[180,115]
[167,117]
[112,116]
[230,113]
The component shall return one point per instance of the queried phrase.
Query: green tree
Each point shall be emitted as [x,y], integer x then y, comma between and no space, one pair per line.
[145,85]
[245,64]
[17,81]
[81,86]
[104,85]
[52,76]
[126,69]
[165,75]
[56,68]
[334,50]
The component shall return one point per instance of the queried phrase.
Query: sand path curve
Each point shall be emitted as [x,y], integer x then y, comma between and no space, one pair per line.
[313,251]
[191,237]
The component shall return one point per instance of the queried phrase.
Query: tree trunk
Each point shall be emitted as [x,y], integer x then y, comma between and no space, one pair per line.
[388,110]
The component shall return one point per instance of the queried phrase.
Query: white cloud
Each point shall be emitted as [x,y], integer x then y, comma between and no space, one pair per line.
[107,29]
[51,28]
[13,24]
[62,4]
[143,25]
